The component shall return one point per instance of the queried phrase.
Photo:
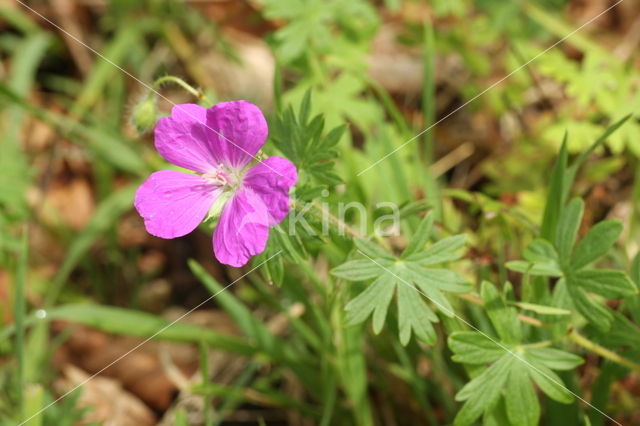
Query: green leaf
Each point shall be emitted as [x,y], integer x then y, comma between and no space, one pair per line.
[414,314]
[436,297]
[542,257]
[375,298]
[482,393]
[594,312]
[300,139]
[358,270]
[573,169]
[106,215]
[542,309]
[568,228]
[596,243]
[502,317]
[537,269]
[608,283]
[442,279]
[623,332]
[521,402]
[241,315]
[555,199]
[290,244]
[420,237]
[442,251]
[251,326]
[540,250]
[635,270]
[134,323]
[372,250]
[471,347]
[550,383]
[553,358]
[305,107]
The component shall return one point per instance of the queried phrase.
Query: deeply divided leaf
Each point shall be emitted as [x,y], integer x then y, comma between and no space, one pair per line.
[596,243]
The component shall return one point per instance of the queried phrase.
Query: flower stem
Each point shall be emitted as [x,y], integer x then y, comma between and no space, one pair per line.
[341,224]
[180,82]
[579,339]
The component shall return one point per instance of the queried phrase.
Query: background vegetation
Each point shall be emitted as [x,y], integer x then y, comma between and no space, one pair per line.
[519,215]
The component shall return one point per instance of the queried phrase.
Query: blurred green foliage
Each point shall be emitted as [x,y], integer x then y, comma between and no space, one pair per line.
[333,120]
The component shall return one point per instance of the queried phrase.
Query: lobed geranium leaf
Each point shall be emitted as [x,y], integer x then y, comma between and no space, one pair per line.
[357,270]
[442,279]
[511,376]
[470,347]
[608,283]
[537,269]
[409,280]
[372,250]
[594,312]
[623,333]
[540,250]
[483,392]
[375,298]
[596,243]
[420,237]
[300,139]
[523,408]
[445,250]
[414,315]
[550,383]
[566,262]
[554,358]
[502,316]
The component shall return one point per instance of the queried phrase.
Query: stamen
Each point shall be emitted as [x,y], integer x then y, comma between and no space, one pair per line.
[218,175]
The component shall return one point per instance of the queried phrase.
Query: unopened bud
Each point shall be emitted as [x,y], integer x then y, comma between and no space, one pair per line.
[145,114]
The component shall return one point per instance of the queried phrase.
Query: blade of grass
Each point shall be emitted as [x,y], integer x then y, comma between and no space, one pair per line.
[430,185]
[20,306]
[140,324]
[18,19]
[577,163]
[105,144]
[34,399]
[102,220]
[555,199]
[103,71]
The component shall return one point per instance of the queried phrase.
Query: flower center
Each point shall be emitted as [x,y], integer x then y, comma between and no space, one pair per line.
[224,176]
[218,177]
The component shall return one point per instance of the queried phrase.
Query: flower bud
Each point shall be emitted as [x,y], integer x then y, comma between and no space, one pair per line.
[145,114]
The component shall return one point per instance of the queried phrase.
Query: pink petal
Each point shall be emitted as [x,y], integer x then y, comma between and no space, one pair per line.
[243,229]
[237,131]
[173,204]
[271,180]
[182,139]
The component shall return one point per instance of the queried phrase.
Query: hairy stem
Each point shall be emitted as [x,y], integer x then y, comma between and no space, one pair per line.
[579,339]
[180,82]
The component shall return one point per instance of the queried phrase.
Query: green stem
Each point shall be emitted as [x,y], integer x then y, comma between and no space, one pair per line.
[573,336]
[579,339]
[325,213]
[542,344]
[180,82]
[320,213]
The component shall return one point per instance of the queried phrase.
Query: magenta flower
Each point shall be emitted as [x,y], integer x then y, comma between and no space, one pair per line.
[218,143]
